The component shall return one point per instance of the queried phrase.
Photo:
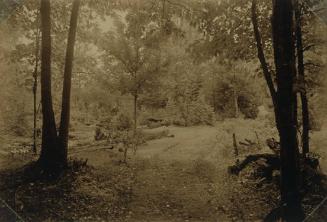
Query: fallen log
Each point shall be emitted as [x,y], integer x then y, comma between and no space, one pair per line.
[267,164]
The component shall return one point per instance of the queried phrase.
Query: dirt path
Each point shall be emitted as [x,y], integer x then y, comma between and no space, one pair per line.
[177,178]
[186,144]
[208,143]
[184,178]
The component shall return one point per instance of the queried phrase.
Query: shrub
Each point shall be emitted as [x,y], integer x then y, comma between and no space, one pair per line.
[123,122]
[223,97]
[193,113]
[15,117]
[248,105]
[228,81]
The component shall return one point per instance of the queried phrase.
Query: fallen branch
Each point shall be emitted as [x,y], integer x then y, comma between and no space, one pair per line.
[272,161]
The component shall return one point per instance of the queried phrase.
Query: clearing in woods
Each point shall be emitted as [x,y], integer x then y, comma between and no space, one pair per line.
[182,177]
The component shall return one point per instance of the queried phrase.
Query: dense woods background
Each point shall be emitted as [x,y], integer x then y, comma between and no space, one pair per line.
[163,110]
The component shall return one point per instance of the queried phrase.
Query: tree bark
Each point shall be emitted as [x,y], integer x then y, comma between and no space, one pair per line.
[284,56]
[66,94]
[135,112]
[135,122]
[300,68]
[235,96]
[49,159]
[35,77]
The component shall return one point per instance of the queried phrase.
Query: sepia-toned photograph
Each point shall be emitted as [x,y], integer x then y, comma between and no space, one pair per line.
[163,110]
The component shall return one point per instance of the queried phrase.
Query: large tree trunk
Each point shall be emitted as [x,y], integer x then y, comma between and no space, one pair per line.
[300,67]
[65,108]
[49,158]
[284,55]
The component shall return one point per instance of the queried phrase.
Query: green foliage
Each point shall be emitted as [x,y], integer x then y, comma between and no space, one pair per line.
[231,82]
[316,115]
[248,104]
[123,122]
[16,119]
[191,113]
[16,101]
[154,101]
[179,57]
[131,52]
[225,92]
[116,129]
[227,29]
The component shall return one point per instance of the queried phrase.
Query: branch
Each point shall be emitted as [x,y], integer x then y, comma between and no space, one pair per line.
[82,72]
[261,55]
[308,47]
[183,6]
[312,64]
[179,5]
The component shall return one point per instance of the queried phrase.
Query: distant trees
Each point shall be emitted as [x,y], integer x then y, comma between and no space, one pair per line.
[206,31]
[53,156]
[187,104]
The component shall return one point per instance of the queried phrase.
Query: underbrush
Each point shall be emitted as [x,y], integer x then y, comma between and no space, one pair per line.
[82,193]
[144,189]
[198,191]
[260,173]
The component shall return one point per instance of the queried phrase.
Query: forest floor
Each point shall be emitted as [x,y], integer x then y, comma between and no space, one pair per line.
[179,178]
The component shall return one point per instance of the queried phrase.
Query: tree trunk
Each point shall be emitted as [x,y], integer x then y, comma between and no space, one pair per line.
[34,113]
[37,48]
[264,65]
[235,96]
[135,113]
[135,123]
[300,67]
[49,158]
[65,108]
[284,55]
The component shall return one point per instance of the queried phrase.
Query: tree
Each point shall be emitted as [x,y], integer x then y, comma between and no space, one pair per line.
[284,100]
[226,26]
[50,158]
[284,56]
[134,46]
[301,77]
[53,156]
[66,94]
